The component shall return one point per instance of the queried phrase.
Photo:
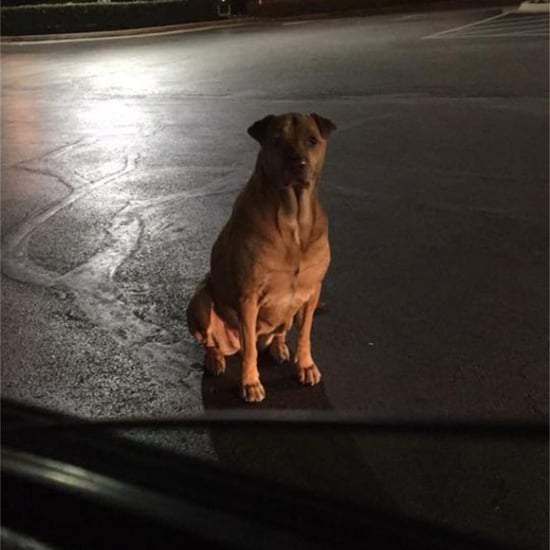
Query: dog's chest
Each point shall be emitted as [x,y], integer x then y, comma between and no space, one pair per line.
[293,281]
[283,295]
[297,282]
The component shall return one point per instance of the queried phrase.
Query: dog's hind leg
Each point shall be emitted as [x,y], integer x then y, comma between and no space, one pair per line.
[214,361]
[264,341]
[278,350]
[203,322]
[275,344]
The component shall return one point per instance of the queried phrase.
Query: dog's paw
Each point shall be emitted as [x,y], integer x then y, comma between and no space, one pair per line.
[215,362]
[309,376]
[279,352]
[253,393]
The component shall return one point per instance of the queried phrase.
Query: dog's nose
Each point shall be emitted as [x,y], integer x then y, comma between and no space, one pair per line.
[298,161]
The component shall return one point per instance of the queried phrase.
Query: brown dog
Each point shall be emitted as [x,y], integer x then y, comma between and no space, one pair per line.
[268,263]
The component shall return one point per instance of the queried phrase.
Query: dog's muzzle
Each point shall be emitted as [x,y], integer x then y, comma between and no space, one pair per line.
[300,172]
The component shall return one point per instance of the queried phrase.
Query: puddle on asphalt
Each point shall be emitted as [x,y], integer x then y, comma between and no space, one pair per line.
[106,302]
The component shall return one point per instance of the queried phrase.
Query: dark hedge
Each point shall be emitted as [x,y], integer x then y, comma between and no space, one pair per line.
[87,17]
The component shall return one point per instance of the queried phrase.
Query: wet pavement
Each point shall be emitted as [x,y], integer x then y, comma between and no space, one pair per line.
[121,160]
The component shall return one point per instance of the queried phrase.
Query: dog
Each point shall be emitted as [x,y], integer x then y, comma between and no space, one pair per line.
[269,261]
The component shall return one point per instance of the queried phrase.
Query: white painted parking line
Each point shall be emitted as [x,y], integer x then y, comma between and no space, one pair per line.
[293,23]
[518,21]
[442,33]
[507,24]
[495,35]
[412,16]
[504,30]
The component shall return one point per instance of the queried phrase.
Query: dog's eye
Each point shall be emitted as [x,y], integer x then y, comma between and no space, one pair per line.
[312,140]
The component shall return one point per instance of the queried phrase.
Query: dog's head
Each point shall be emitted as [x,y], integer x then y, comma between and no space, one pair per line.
[292,148]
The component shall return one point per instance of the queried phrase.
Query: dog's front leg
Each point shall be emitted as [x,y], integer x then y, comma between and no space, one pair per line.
[307,370]
[251,387]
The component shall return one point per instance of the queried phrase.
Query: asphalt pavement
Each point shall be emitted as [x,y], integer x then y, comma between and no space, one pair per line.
[120,162]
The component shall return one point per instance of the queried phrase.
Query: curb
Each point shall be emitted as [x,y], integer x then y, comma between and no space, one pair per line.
[534,7]
[165,30]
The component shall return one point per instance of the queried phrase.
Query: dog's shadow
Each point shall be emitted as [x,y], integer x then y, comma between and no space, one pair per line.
[324,460]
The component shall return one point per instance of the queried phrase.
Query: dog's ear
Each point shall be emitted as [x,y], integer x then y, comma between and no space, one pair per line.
[259,129]
[326,126]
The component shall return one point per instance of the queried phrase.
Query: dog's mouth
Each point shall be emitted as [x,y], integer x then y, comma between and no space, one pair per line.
[298,178]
